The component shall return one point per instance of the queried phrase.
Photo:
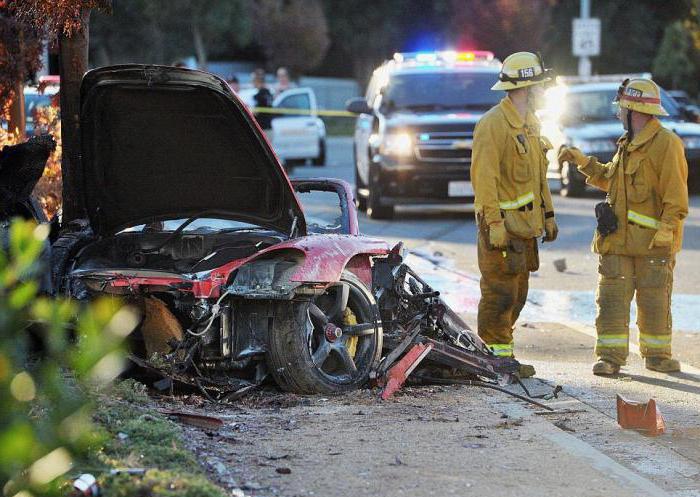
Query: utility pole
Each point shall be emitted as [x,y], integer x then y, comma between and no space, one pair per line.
[584,63]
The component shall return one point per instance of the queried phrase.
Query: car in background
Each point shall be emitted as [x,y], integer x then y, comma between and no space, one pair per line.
[297,137]
[683,100]
[413,137]
[584,116]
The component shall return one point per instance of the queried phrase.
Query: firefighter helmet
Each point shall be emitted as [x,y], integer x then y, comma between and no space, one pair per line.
[520,70]
[641,95]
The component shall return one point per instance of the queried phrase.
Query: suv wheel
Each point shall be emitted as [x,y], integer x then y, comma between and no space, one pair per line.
[375,209]
[572,183]
[360,201]
[320,161]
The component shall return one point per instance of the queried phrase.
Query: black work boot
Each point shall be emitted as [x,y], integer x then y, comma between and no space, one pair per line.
[662,365]
[526,370]
[605,368]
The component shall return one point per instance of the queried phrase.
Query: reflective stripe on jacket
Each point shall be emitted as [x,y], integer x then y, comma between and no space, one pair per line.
[647,185]
[509,171]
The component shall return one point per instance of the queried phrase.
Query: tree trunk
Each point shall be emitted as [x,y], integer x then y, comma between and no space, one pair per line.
[17,124]
[73,61]
[18,120]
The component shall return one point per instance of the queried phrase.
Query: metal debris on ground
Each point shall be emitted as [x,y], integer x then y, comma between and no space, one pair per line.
[86,485]
[199,420]
[421,330]
[127,471]
[644,417]
[560,265]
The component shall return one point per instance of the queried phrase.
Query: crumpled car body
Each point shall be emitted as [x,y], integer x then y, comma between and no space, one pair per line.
[192,220]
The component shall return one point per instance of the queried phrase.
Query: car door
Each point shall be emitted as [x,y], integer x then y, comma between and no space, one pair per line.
[296,135]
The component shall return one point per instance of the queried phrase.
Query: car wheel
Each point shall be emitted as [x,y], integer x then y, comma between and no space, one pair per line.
[320,161]
[375,208]
[62,252]
[572,184]
[328,344]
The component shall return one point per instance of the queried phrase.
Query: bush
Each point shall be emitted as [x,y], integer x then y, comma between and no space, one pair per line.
[45,413]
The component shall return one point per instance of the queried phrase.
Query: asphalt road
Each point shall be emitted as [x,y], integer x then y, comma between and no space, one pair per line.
[449,233]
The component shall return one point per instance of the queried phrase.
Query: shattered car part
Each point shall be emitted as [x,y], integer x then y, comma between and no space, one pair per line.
[413,314]
[21,167]
[199,420]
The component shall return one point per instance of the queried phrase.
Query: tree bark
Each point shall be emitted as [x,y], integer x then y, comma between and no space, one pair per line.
[17,123]
[73,62]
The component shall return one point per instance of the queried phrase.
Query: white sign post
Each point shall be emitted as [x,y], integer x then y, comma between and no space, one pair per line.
[586,37]
[585,42]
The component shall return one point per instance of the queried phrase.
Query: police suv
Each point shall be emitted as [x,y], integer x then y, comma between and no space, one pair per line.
[413,136]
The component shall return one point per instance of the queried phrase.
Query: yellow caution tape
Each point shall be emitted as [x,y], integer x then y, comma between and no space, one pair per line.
[279,110]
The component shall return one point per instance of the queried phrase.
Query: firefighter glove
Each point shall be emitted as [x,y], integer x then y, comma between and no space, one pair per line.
[662,238]
[573,154]
[498,237]
[551,230]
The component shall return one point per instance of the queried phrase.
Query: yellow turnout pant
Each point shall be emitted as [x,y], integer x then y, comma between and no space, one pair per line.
[620,278]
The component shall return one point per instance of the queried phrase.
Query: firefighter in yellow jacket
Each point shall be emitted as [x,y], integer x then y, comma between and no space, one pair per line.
[640,229]
[512,199]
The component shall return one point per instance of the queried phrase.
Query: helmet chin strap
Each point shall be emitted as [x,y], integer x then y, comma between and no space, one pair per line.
[630,131]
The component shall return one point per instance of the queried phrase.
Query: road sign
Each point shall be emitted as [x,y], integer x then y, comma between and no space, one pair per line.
[585,39]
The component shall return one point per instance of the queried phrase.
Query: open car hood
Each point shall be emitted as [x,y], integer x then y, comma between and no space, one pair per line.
[162,143]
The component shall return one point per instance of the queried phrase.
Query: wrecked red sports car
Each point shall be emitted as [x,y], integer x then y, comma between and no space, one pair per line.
[192,219]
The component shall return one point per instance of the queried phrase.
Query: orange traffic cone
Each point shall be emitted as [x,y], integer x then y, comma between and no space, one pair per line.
[642,416]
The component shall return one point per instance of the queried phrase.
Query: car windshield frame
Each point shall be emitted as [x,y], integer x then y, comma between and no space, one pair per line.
[198,225]
[440,90]
[594,115]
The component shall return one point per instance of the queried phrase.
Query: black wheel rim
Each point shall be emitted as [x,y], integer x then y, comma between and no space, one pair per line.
[349,357]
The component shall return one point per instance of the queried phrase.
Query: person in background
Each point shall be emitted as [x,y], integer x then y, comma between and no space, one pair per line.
[262,99]
[283,81]
[233,83]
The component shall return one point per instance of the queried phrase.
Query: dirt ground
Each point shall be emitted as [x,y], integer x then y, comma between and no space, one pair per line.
[454,440]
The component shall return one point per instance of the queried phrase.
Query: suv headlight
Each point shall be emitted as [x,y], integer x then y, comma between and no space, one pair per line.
[397,144]
[595,146]
[691,141]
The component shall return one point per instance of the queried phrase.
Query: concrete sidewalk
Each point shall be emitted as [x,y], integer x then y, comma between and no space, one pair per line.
[563,355]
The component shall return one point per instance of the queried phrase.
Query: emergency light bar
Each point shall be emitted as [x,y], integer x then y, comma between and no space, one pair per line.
[444,57]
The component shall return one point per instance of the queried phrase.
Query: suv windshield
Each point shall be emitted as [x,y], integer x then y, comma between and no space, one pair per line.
[441,90]
[595,106]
